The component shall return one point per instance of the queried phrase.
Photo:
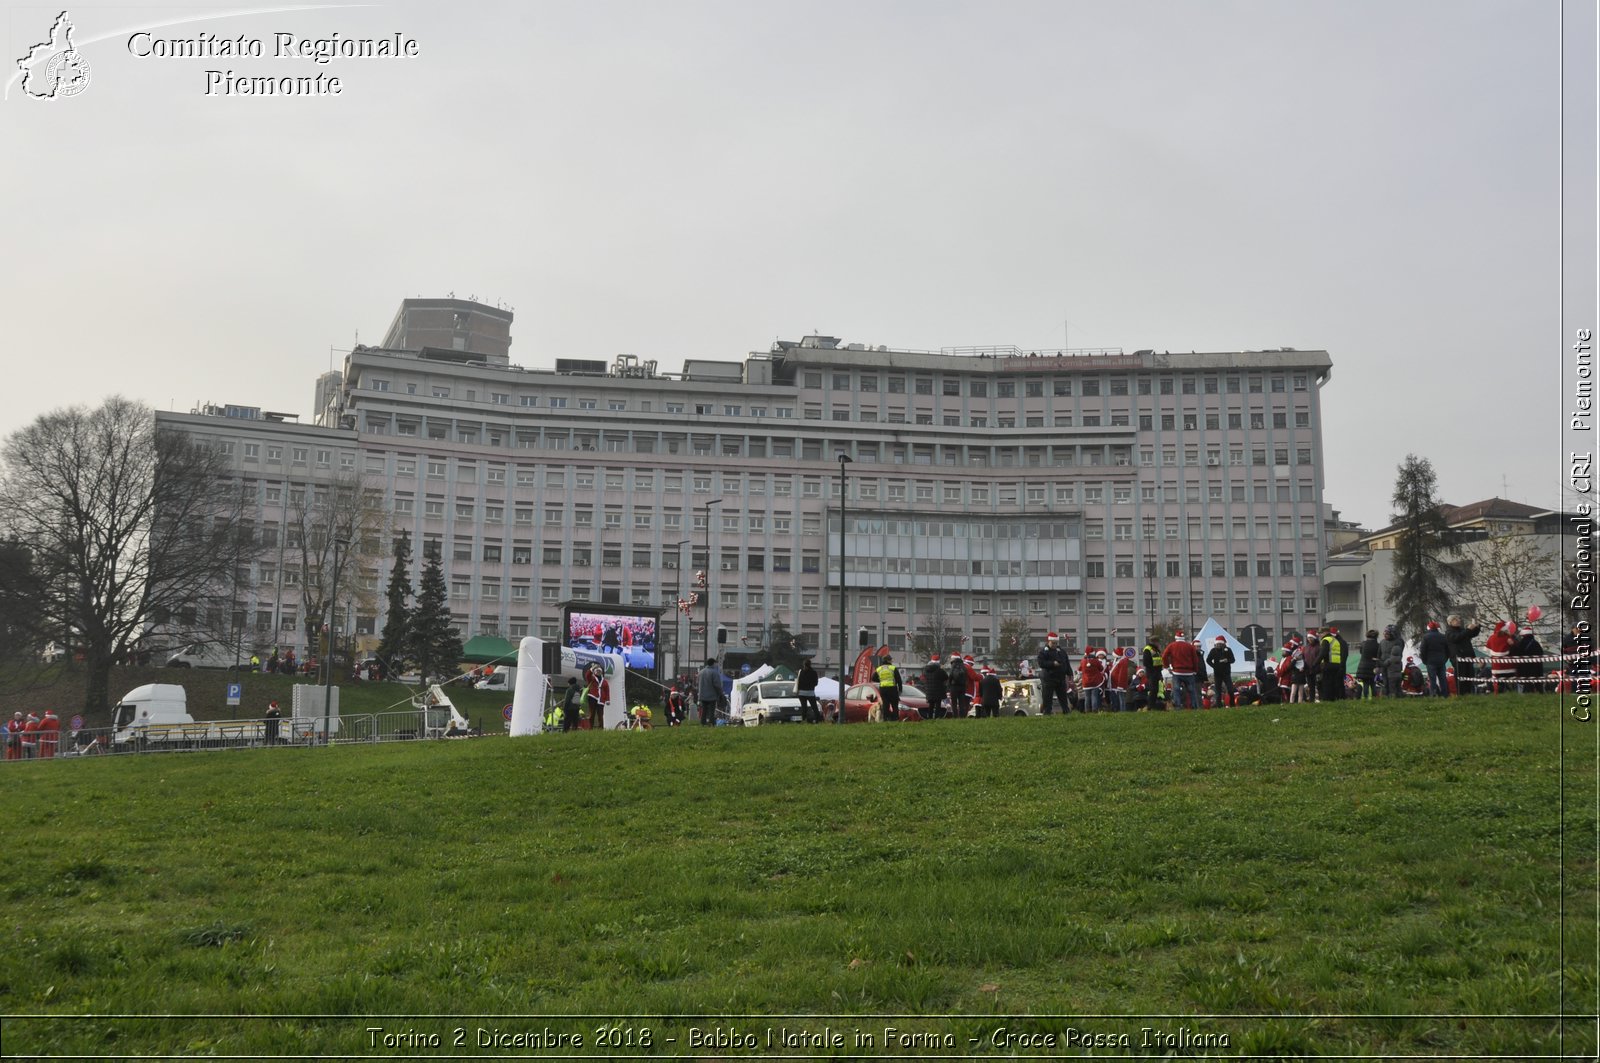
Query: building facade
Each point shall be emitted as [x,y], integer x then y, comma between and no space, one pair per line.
[1520,545]
[1091,493]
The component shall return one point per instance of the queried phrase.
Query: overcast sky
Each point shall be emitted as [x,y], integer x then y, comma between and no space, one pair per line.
[679,179]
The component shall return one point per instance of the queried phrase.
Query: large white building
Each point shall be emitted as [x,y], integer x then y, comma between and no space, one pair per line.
[1093,493]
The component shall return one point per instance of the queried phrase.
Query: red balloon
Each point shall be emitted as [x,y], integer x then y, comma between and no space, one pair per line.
[1534,613]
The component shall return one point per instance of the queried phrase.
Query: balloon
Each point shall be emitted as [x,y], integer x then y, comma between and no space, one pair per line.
[1534,613]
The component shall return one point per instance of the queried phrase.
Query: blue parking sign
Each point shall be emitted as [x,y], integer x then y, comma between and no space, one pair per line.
[235,691]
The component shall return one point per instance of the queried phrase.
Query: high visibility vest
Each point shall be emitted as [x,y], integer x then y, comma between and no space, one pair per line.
[1155,655]
[886,675]
[1332,653]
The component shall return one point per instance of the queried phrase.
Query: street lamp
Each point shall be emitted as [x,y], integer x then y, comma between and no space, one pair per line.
[705,613]
[844,459]
[327,664]
[681,613]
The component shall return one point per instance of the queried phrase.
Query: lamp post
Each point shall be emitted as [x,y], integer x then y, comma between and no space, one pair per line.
[681,614]
[844,639]
[705,613]
[327,664]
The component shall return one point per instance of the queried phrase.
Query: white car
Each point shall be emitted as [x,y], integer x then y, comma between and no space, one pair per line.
[772,702]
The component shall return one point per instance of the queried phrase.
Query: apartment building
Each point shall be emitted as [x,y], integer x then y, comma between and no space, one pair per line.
[1088,492]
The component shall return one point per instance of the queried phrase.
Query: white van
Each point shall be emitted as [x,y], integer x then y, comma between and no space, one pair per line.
[207,655]
[503,678]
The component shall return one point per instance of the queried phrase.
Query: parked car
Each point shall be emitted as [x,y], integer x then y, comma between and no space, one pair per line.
[772,702]
[860,700]
[1019,697]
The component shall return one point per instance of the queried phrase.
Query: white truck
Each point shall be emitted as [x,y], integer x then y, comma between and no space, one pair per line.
[156,715]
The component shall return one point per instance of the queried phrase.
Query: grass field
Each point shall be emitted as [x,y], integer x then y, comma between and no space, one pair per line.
[1366,878]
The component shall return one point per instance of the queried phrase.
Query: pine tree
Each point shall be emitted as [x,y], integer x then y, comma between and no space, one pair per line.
[1418,592]
[392,648]
[434,644]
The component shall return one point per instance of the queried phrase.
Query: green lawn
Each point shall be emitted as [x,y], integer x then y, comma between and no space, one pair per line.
[1308,875]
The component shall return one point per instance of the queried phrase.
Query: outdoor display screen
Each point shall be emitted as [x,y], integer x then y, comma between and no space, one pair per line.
[629,634]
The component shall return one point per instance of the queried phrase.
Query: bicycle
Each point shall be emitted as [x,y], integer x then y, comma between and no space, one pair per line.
[634,719]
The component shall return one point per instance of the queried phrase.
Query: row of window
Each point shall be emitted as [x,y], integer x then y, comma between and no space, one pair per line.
[896,384]
[1243,604]
[979,387]
[1197,567]
[309,457]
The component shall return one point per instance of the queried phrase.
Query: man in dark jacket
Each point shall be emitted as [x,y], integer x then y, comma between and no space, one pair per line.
[1459,635]
[960,687]
[709,693]
[1221,659]
[1267,690]
[933,685]
[1528,646]
[1371,664]
[989,694]
[1392,650]
[1055,672]
[571,704]
[805,690]
[1435,650]
[1311,654]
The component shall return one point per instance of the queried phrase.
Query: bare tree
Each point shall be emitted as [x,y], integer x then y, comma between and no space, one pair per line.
[1015,643]
[332,535]
[936,635]
[128,525]
[1510,573]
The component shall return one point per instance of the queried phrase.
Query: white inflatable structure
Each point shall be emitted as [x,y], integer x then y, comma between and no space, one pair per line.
[533,685]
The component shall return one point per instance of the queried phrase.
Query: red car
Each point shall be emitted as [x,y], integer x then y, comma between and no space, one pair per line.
[860,700]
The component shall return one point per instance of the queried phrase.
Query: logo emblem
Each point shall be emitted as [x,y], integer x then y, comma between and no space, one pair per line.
[54,69]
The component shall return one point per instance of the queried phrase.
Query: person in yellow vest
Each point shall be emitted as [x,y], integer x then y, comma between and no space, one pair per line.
[1335,652]
[889,685]
[1152,669]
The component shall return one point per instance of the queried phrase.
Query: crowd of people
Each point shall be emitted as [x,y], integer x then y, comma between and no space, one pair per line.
[1182,673]
[33,737]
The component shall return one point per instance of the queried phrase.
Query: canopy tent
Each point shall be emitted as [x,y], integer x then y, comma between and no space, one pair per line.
[487,649]
[1208,638]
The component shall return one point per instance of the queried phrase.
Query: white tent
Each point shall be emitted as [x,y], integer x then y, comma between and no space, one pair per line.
[1208,638]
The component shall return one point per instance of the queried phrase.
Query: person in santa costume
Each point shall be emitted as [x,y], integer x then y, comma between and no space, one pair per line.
[1499,646]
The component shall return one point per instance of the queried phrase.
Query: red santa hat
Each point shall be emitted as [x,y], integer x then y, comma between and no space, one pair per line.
[1222,638]
[1178,635]
[1433,625]
[1050,637]
[1100,654]
[967,659]
[933,658]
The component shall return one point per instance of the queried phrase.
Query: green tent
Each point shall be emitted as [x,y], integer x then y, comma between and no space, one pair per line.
[487,649]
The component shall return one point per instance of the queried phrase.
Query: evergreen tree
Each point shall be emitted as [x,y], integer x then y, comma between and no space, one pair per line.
[1421,574]
[434,644]
[782,650]
[392,648]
